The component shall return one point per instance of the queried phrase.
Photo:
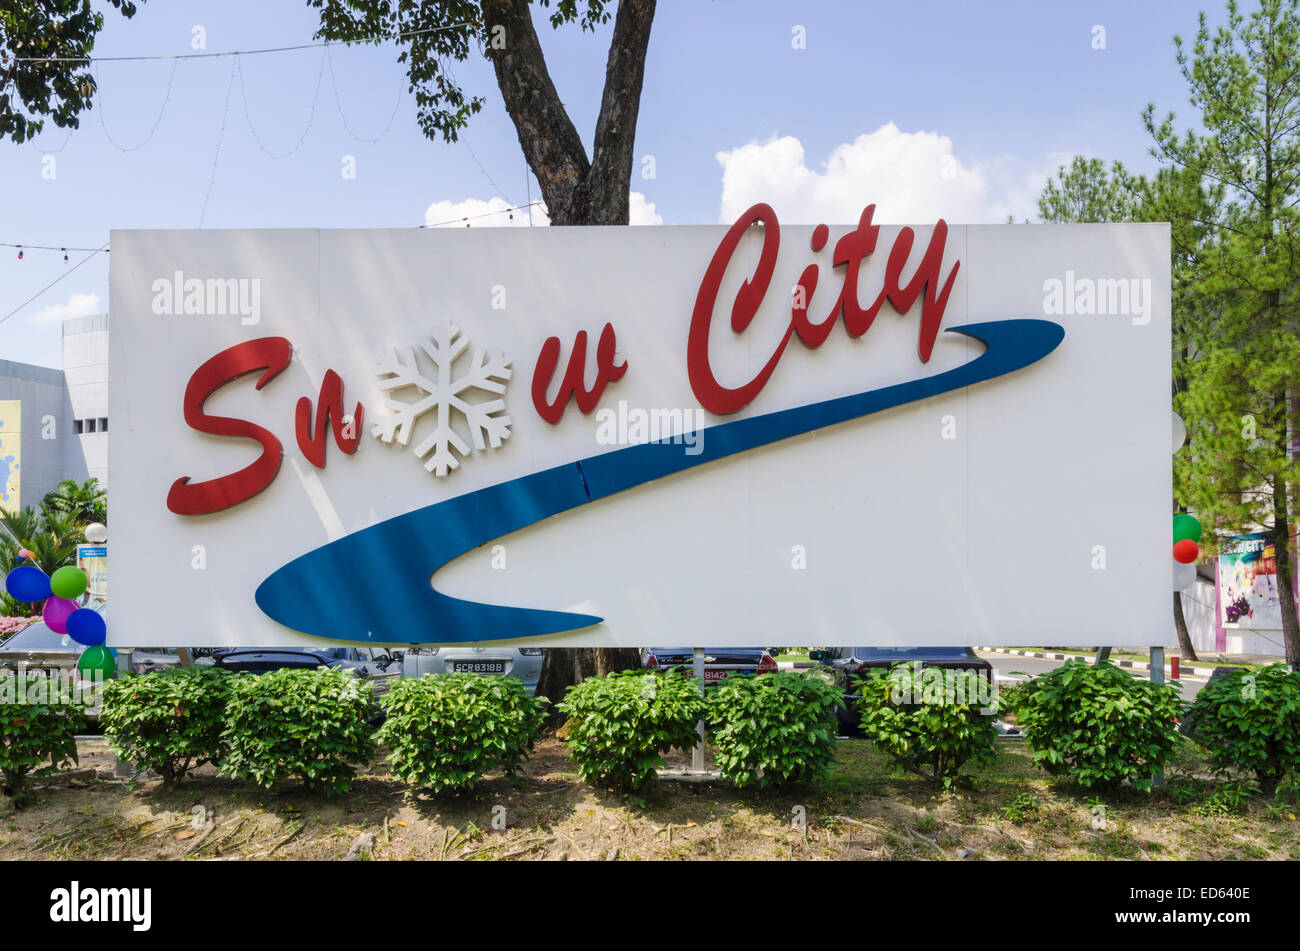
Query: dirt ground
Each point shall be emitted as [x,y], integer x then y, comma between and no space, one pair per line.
[866,810]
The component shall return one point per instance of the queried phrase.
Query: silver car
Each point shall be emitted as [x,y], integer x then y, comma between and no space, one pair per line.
[525,663]
[38,651]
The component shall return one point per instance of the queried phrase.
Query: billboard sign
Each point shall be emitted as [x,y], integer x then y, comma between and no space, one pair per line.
[754,434]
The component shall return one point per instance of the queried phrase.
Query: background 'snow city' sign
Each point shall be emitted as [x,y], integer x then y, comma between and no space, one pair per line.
[767,433]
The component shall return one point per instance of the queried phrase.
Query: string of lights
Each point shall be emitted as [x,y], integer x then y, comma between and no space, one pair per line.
[488,214]
[378,37]
[44,247]
[445,66]
[167,98]
[221,134]
[92,253]
[338,103]
[311,117]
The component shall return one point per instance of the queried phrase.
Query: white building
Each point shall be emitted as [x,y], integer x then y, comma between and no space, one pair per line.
[54,423]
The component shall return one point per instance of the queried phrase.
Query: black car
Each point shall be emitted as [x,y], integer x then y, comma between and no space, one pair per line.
[375,664]
[847,664]
[719,662]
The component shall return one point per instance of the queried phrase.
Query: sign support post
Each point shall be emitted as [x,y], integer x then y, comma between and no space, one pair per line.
[1156,668]
[697,754]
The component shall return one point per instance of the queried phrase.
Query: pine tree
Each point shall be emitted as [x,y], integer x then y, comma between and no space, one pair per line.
[1242,372]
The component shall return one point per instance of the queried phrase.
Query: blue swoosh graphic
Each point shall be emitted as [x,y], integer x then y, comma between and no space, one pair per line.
[375,585]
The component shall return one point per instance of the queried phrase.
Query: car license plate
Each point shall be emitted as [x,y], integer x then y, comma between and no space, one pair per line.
[716,674]
[479,666]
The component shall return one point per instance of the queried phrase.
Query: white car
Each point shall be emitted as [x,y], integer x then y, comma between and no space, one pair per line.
[525,663]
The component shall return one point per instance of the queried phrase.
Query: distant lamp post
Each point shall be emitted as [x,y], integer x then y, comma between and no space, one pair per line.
[96,533]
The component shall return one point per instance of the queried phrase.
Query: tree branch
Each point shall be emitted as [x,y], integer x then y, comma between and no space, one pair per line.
[551,144]
[603,196]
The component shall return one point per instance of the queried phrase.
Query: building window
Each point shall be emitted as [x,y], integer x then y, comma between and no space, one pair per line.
[103,424]
[77,425]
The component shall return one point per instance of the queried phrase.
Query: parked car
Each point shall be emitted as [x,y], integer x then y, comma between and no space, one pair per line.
[376,664]
[524,663]
[38,650]
[719,662]
[847,664]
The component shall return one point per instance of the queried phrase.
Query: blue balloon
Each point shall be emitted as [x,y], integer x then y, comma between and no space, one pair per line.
[86,626]
[27,583]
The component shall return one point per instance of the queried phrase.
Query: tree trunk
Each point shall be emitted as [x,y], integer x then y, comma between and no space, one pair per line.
[1285,573]
[1180,626]
[578,190]
[566,666]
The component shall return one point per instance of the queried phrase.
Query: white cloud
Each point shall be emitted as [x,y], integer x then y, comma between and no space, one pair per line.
[643,211]
[911,177]
[77,305]
[498,213]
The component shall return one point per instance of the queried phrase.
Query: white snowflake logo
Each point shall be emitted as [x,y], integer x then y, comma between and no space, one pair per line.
[444,392]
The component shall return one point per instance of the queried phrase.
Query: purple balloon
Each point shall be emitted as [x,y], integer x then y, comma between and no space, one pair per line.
[56,613]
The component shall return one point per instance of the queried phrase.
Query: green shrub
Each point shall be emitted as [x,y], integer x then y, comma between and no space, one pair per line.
[1098,725]
[32,734]
[446,730]
[772,729]
[929,720]
[309,724]
[621,724]
[1250,723]
[170,721]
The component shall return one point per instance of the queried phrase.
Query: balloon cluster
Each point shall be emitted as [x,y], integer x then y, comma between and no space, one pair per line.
[1187,535]
[61,613]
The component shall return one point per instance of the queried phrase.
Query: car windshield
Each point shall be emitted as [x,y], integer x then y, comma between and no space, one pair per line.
[38,637]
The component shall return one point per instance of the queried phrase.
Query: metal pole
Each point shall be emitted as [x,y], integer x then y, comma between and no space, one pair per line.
[697,754]
[1156,669]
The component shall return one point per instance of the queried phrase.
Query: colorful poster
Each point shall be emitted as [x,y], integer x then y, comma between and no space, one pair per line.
[11,451]
[93,560]
[1248,583]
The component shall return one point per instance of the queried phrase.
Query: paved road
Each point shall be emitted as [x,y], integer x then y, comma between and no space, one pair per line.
[1007,664]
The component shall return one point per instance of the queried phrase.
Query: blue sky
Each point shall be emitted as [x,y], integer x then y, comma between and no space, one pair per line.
[958,109]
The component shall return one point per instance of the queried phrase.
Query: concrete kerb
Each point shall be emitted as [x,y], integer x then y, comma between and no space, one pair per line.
[1203,673]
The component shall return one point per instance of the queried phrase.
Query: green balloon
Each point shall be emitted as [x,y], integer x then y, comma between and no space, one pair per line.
[98,658]
[68,582]
[1185,527]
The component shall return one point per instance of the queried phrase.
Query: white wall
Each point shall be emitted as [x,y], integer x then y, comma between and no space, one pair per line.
[85,368]
[1199,612]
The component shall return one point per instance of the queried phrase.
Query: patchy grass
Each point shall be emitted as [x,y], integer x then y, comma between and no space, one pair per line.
[866,810]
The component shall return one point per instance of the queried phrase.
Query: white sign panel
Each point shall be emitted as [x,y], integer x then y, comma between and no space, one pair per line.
[632,436]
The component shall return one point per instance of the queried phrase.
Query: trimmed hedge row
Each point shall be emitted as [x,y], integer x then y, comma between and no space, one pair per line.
[443,732]
[1096,725]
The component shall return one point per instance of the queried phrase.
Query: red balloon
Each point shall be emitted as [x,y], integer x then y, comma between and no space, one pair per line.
[1186,551]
